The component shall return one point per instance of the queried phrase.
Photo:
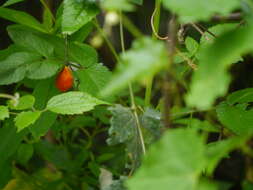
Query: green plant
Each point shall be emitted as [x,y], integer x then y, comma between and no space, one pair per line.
[166,116]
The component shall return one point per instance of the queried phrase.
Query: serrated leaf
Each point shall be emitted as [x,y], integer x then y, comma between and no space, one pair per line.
[199,10]
[17,59]
[80,53]
[171,164]
[144,59]
[211,79]
[73,103]
[124,129]
[152,125]
[191,45]
[24,119]
[21,18]
[93,79]
[240,96]
[123,125]
[76,14]
[4,112]
[235,118]
[31,41]
[43,69]
[11,2]
[25,102]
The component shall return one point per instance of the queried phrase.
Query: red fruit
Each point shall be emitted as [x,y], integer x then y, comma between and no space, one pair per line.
[65,79]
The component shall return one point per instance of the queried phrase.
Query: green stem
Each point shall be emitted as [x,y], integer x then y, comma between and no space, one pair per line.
[127,23]
[131,91]
[109,44]
[157,17]
[149,84]
[7,96]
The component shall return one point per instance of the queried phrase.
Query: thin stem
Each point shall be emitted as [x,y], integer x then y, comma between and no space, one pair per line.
[200,31]
[156,17]
[66,49]
[155,23]
[131,91]
[127,23]
[7,96]
[137,118]
[109,44]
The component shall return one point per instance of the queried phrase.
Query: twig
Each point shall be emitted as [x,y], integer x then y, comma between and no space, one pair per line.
[206,30]
[168,78]
[154,30]
[232,17]
[200,31]
[134,108]
[109,44]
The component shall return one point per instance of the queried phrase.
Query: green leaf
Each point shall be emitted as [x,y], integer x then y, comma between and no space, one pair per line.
[31,40]
[24,153]
[199,10]
[93,79]
[6,176]
[11,2]
[4,112]
[218,150]
[25,102]
[191,45]
[73,103]
[13,67]
[197,124]
[82,33]
[43,91]
[240,96]
[211,79]
[152,125]
[124,129]
[56,154]
[48,19]
[171,164]
[24,119]
[80,53]
[44,69]
[145,59]
[43,124]
[21,18]
[115,5]
[12,76]
[123,125]
[235,118]
[76,14]
[9,140]
[17,59]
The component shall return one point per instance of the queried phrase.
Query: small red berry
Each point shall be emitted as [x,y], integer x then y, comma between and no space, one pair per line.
[65,79]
